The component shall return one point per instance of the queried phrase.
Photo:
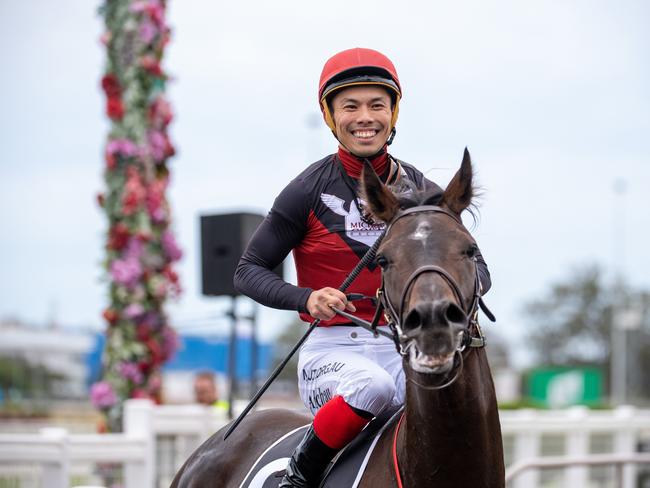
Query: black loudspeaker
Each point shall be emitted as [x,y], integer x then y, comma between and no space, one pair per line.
[223,240]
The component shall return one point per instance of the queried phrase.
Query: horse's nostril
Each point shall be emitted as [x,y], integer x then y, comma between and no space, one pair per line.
[413,320]
[440,313]
[454,314]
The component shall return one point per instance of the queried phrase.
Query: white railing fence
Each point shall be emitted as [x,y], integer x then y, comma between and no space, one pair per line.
[157,439]
[573,433]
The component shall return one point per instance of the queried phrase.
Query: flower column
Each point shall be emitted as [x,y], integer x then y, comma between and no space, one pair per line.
[140,248]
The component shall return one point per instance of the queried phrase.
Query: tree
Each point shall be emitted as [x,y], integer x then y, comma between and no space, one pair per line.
[19,376]
[572,324]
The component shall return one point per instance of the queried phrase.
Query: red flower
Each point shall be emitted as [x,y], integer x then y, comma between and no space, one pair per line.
[143,332]
[139,393]
[144,366]
[110,315]
[130,203]
[169,149]
[114,108]
[160,113]
[157,356]
[100,199]
[111,162]
[156,195]
[170,274]
[134,192]
[151,64]
[118,237]
[166,38]
[111,86]
[144,237]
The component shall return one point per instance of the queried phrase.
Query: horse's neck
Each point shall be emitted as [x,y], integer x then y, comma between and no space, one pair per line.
[452,437]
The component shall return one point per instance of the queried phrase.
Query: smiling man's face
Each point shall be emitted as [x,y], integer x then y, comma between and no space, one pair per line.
[362,116]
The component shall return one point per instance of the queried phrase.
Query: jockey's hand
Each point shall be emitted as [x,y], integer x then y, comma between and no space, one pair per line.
[320,303]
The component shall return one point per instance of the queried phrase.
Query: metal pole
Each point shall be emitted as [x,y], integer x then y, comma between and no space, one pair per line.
[232,358]
[254,350]
[618,362]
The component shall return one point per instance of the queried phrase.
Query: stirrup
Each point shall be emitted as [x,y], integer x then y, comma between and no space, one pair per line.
[308,462]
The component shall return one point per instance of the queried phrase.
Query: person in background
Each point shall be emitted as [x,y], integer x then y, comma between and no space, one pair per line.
[206,392]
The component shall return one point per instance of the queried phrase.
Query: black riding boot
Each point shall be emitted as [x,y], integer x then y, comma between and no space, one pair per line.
[308,462]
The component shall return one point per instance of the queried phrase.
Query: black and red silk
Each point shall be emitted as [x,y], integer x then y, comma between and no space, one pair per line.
[324,253]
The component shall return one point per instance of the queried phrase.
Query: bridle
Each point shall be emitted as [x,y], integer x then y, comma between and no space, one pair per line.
[472,336]
[395,319]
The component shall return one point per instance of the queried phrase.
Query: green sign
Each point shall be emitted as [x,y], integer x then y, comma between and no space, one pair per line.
[557,387]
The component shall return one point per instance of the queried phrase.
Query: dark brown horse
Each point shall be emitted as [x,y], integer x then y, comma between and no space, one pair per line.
[450,435]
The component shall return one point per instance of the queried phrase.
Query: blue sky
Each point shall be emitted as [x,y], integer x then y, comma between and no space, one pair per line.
[551,98]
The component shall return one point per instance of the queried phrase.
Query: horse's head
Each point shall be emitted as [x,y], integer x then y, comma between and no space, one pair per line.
[429,268]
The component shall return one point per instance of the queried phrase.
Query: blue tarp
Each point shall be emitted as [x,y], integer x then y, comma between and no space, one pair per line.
[201,353]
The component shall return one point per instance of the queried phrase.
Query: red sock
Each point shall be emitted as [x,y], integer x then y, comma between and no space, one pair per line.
[336,424]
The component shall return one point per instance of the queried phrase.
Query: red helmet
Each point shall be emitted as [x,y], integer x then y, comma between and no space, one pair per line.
[357,66]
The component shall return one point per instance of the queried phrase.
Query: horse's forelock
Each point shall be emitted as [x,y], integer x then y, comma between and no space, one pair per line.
[409,195]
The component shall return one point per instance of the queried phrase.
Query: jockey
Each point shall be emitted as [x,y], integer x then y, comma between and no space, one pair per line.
[346,375]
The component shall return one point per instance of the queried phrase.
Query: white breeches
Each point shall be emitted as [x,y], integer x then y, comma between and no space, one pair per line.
[348,361]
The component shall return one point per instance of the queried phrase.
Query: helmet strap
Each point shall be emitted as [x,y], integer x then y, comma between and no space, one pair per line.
[391,137]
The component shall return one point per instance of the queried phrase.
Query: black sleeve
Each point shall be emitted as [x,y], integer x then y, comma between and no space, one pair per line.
[282,230]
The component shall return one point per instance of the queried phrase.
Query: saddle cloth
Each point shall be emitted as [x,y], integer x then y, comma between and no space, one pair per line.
[346,469]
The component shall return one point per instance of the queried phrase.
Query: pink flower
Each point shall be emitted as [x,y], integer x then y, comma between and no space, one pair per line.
[148,31]
[170,247]
[139,7]
[126,272]
[123,147]
[102,395]
[131,372]
[157,145]
[133,311]
[170,342]
[105,38]
[158,215]
[153,8]
[155,198]
[134,249]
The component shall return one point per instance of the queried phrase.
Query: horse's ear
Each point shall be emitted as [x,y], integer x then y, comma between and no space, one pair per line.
[380,201]
[458,195]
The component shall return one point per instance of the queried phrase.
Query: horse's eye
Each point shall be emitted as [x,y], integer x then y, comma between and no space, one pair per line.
[382,261]
[471,251]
